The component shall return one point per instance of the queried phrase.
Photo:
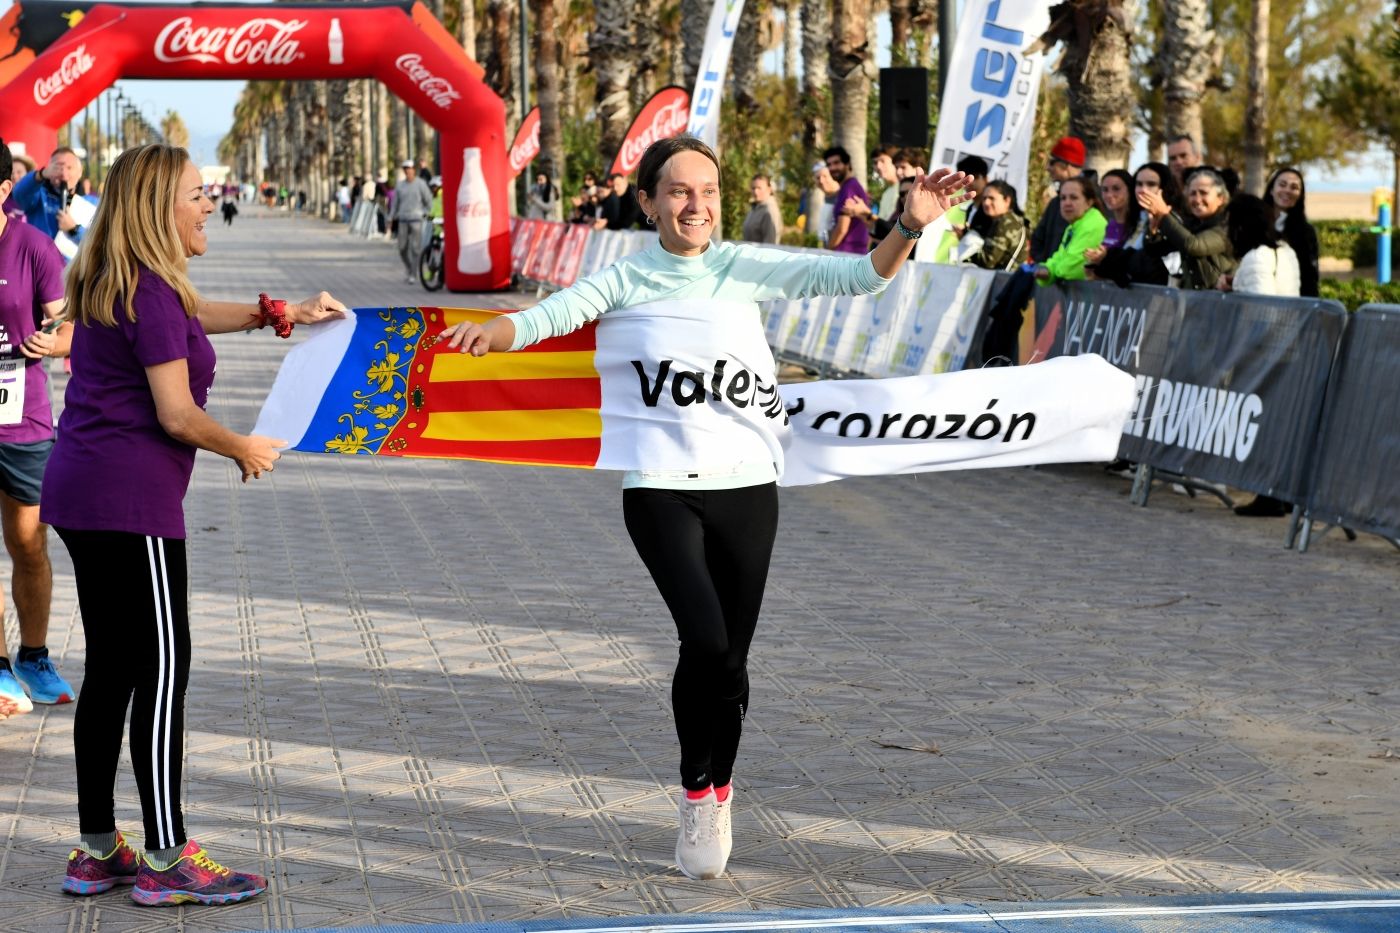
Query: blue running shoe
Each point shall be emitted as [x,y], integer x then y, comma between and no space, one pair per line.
[45,684]
[13,700]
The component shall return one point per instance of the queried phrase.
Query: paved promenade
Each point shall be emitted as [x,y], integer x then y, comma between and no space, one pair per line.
[436,692]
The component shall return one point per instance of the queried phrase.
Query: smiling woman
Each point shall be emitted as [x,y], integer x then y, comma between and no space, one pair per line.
[114,491]
[704,513]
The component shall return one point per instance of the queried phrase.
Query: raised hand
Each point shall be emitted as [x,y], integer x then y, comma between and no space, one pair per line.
[933,196]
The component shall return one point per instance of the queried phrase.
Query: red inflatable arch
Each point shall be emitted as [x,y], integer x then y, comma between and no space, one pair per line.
[400,44]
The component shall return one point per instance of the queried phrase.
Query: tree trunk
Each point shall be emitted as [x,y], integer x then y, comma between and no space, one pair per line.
[500,61]
[610,47]
[1102,98]
[901,28]
[1256,121]
[792,40]
[1185,65]
[466,26]
[551,158]
[923,28]
[695,19]
[850,79]
[816,32]
[743,62]
[647,54]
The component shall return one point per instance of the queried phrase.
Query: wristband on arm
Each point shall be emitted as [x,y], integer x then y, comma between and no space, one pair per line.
[274,312]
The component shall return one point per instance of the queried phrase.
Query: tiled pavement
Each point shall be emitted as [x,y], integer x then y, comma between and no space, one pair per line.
[429,692]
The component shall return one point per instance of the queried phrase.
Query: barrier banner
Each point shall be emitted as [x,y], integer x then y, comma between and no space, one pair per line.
[1240,394]
[566,269]
[988,106]
[1356,477]
[522,239]
[539,265]
[655,388]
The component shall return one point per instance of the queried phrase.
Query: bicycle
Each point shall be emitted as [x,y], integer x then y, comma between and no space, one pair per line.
[430,262]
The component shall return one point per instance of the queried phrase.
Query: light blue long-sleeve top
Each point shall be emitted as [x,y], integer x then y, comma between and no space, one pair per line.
[733,272]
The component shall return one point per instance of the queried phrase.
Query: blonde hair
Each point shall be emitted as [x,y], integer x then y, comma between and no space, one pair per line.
[134,226]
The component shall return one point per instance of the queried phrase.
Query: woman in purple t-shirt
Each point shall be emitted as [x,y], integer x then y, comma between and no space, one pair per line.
[114,487]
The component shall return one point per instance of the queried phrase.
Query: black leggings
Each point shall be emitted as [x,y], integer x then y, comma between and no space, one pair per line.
[132,590]
[708,552]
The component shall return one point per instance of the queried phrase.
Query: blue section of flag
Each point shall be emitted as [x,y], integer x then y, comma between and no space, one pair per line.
[365,397]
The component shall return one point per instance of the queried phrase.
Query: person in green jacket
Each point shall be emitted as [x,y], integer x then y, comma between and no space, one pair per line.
[1082,209]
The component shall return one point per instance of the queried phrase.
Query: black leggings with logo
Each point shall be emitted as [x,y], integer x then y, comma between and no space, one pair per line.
[134,597]
[708,552]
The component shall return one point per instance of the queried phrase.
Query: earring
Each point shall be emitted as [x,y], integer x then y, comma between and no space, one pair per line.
[651,221]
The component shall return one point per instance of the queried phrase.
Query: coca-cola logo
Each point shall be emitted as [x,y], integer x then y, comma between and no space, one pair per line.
[474,209]
[264,40]
[525,150]
[667,120]
[439,90]
[74,65]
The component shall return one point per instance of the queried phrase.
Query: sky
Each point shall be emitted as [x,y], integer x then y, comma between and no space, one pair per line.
[207,109]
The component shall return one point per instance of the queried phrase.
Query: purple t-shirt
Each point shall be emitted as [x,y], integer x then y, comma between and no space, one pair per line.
[113,467]
[31,275]
[857,239]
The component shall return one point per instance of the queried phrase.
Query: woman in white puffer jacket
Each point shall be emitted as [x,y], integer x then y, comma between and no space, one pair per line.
[1268,265]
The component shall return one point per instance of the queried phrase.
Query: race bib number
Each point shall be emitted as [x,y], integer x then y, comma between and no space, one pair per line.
[11,391]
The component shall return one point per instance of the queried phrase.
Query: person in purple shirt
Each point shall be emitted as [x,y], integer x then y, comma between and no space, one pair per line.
[848,235]
[31,298]
[132,421]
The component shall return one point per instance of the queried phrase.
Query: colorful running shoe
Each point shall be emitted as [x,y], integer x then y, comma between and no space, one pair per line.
[92,874]
[13,699]
[194,877]
[45,684]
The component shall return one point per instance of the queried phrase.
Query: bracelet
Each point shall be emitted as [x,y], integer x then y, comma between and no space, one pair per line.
[274,312]
[905,231]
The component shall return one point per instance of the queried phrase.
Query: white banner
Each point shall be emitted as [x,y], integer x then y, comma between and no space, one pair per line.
[988,107]
[714,62]
[979,418]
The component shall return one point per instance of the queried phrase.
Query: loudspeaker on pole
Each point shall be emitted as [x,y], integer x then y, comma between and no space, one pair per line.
[904,107]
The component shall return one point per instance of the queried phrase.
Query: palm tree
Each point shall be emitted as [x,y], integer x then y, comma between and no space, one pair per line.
[172,126]
[610,49]
[1256,124]
[647,54]
[695,19]
[547,82]
[816,30]
[1097,38]
[850,67]
[743,60]
[1185,66]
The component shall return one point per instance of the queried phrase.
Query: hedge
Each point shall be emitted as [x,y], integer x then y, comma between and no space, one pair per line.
[1357,292]
[1347,239]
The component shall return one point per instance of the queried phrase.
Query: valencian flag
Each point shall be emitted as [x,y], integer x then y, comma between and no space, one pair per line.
[672,386]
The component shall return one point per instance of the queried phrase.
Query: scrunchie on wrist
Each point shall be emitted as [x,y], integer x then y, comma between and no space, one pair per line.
[274,312]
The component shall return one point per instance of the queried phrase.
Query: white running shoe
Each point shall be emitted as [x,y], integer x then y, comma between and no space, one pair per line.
[726,836]
[700,852]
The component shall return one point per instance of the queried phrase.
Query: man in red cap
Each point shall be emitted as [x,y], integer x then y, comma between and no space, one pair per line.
[1066,161]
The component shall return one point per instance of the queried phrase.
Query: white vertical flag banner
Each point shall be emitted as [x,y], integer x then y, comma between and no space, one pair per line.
[714,62]
[988,107]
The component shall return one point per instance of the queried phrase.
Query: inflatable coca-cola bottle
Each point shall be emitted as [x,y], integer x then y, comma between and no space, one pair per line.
[473,217]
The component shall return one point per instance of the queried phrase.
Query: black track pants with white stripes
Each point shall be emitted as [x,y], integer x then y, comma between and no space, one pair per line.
[132,590]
